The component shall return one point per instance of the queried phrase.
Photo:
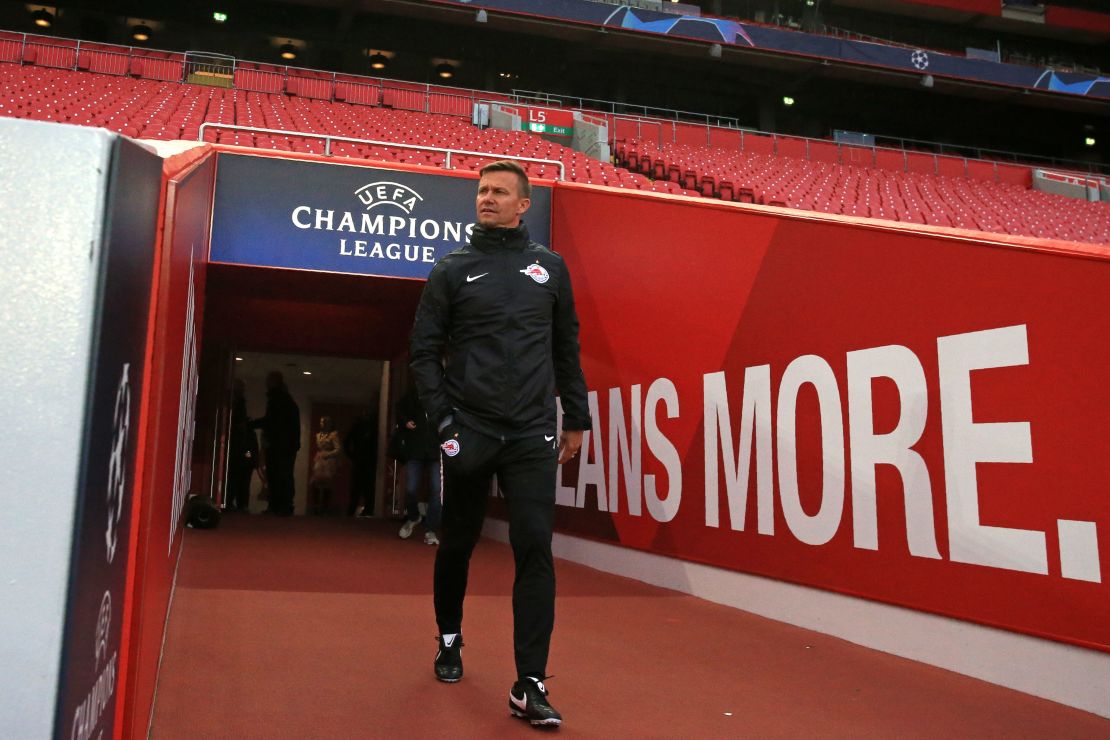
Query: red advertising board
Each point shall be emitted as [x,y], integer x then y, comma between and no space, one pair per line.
[177,308]
[902,415]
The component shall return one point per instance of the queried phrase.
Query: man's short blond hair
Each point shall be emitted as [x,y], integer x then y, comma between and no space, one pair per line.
[508,165]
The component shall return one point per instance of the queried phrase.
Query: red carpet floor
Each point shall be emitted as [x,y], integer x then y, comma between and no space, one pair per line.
[323,628]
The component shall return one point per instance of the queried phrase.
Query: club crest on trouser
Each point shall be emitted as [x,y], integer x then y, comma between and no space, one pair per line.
[537,273]
[450,447]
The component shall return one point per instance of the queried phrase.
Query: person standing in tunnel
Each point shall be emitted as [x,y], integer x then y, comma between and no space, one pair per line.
[243,452]
[495,336]
[281,439]
[361,446]
[419,454]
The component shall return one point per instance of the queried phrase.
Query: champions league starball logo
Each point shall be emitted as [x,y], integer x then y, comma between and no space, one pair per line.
[117,461]
[919,59]
[103,627]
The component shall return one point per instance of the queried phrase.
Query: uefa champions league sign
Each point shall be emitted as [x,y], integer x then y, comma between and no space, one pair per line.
[311,215]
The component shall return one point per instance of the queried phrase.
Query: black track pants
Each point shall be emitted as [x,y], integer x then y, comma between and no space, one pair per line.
[525,470]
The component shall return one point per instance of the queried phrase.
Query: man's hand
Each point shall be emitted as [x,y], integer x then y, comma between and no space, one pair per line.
[410,424]
[569,444]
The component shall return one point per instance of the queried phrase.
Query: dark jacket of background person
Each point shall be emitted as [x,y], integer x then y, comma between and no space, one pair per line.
[281,426]
[361,442]
[513,338]
[243,442]
[414,444]
[361,446]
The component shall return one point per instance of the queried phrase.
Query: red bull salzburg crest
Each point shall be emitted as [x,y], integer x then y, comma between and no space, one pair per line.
[451,447]
[537,273]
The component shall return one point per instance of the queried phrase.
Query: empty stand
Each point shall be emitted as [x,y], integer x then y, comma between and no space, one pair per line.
[794,173]
[152,109]
[899,186]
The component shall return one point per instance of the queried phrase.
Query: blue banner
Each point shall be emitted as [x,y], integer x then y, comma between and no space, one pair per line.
[273,212]
[751,35]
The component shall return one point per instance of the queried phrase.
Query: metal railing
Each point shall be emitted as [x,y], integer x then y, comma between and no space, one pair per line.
[940,149]
[328,139]
[626,109]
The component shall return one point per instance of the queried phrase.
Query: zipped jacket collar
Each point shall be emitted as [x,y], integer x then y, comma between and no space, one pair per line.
[497,239]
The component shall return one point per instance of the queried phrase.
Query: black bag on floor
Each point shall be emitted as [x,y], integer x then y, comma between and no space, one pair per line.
[201,513]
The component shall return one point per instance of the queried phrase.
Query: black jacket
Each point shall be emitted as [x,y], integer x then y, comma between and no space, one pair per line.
[281,426]
[419,443]
[495,334]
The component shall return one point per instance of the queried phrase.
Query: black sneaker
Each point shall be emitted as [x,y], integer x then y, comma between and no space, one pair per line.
[449,660]
[528,700]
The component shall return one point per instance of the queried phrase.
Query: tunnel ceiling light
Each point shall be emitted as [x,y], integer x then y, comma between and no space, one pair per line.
[1090,141]
[445,71]
[288,51]
[238,359]
[306,372]
[378,60]
[219,17]
[787,100]
[43,18]
[140,32]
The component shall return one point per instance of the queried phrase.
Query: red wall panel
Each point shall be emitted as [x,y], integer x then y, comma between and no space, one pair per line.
[1085,20]
[686,133]
[724,138]
[1015,174]
[951,166]
[920,439]
[11,49]
[354,92]
[790,147]
[890,159]
[980,170]
[310,87]
[925,163]
[861,156]
[178,308]
[756,144]
[103,62]
[451,104]
[654,132]
[821,151]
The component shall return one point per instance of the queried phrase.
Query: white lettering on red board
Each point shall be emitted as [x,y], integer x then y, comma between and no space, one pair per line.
[740,450]
[186,415]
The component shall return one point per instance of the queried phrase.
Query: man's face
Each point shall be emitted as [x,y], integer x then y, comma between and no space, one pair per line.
[499,202]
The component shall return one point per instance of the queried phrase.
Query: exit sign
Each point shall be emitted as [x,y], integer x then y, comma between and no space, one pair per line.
[549,121]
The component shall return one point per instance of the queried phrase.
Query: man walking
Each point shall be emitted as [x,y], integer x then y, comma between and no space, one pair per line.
[281,438]
[496,334]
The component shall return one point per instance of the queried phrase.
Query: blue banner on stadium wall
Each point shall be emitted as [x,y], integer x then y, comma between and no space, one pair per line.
[273,212]
[754,36]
